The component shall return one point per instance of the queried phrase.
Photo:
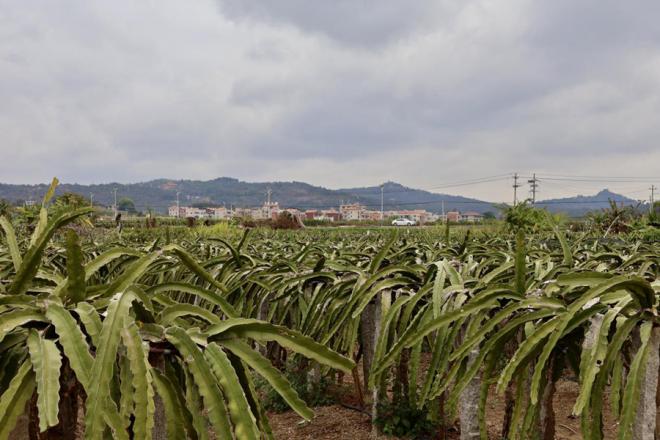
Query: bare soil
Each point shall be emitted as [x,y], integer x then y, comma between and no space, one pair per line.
[339,422]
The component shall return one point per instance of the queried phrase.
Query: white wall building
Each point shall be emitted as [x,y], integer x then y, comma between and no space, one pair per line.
[268,211]
[188,211]
[471,217]
[353,211]
[219,213]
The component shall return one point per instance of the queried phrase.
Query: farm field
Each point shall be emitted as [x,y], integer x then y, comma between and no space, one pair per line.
[338,422]
[524,331]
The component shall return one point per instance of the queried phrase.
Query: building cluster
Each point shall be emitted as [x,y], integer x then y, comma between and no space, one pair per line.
[346,212]
[462,217]
[269,210]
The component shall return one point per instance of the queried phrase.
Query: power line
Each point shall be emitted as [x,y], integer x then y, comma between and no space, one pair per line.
[430,202]
[570,187]
[601,177]
[552,179]
[601,180]
[500,177]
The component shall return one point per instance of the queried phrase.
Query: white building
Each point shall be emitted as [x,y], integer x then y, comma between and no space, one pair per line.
[420,216]
[471,217]
[219,213]
[268,211]
[353,211]
[195,212]
[188,211]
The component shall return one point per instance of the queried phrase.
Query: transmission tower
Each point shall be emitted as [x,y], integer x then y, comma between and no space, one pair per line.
[533,187]
[516,185]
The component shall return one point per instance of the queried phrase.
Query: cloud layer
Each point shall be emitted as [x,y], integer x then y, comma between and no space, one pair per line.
[342,93]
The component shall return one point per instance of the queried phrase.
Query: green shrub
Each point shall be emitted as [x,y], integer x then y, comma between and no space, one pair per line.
[401,419]
[313,393]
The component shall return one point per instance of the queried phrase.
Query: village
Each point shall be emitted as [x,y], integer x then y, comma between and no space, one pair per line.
[352,212]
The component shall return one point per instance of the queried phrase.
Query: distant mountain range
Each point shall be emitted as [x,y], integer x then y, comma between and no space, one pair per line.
[579,205]
[161,193]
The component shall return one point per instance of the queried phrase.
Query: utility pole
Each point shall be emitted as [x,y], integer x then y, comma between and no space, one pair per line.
[516,185]
[652,200]
[533,185]
[443,208]
[178,207]
[91,199]
[268,193]
[115,206]
[382,212]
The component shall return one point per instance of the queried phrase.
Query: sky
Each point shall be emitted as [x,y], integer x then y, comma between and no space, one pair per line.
[338,93]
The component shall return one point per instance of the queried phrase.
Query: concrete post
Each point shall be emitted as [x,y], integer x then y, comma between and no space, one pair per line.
[262,315]
[468,408]
[645,417]
[370,330]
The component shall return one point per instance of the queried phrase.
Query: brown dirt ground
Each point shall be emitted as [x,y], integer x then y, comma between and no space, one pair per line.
[338,422]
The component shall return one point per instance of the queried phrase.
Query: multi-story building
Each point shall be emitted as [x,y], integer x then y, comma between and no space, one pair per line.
[188,211]
[195,212]
[242,212]
[471,217]
[268,211]
[370,215]
[418,215]
[353,211]
[350,212]
[219,213]
[330,215]
[454,216]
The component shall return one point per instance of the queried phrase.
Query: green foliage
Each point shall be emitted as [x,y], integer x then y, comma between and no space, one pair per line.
[223,229]
[76,288]
[402,419]
[615,219]
[199,318]
[6,208]
[58,301]
[313,392]
[70,200]
[520,265]
[126,204]
[523,216]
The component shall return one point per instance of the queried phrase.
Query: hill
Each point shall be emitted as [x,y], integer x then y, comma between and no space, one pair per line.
[580,205]
[397,196]
[159,194]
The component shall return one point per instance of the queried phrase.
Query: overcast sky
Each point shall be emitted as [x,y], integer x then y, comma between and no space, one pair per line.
[335,93]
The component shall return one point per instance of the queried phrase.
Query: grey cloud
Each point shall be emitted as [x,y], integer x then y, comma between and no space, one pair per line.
[361,22]
[332,92]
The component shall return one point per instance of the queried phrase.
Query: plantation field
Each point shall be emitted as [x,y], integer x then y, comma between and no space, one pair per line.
[521,331]
[339,422]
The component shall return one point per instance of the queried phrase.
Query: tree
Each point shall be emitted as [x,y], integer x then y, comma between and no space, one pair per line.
[71,200]
[126,204]
[6,208]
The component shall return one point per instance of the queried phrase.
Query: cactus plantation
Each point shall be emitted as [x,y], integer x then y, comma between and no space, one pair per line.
[177,335]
